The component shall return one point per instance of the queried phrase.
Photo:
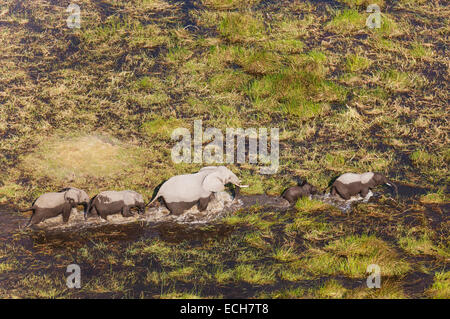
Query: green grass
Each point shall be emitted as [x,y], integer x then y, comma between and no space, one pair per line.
[346,21]
[253,275]
[162,127]
[241,27]
[294,293]
[351,255]
[364,3]
[419,51]
[229,4]
[441,286]
[356,63]
[285,254]
[331,290]
[398,81]
[422,158]
[298,93]
[305,204]
[435,198]
[423,245]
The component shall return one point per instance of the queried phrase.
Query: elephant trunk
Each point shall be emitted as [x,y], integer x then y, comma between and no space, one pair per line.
[141,208]
[237,191]
[85,207]
[390,183]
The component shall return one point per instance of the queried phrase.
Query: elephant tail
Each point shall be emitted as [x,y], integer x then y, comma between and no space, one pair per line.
[89,207]
[29,223]
[26,209]
[155,198]
[333,190]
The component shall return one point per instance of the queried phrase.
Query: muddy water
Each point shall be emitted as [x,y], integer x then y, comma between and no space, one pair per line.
[154,217]
[192,226]
[155,222]
[10,222]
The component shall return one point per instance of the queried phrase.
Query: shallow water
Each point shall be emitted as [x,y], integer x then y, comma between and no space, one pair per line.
[222,205]
[158,222]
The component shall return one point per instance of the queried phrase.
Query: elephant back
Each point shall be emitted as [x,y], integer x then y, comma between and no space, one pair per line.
[184,188]
[50,200]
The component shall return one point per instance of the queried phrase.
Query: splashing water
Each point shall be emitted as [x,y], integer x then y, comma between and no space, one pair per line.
[222,204]
[342,204]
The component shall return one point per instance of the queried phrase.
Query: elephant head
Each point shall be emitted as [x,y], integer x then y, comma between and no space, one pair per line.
[311,189]
[218,177]
[139,201]
[76,197]
[380,179]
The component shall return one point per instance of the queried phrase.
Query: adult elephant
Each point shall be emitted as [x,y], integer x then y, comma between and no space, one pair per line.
[55,203]
[182,192]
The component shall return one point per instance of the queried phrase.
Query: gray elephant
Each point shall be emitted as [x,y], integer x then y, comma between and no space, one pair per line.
[182,192]
[113,202]
[350,184]
[53,204]
[292,194]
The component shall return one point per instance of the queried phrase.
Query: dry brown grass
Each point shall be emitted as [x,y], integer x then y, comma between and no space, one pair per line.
[94,107]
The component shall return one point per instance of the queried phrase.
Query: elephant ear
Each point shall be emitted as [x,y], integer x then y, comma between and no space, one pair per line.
[72,195]
[213,182]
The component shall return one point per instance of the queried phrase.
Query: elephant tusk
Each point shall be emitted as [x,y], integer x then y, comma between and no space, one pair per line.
[244,186]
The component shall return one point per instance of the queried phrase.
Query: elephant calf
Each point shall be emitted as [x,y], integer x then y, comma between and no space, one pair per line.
[113,202]
[292,194]
[350,184]
[53,204]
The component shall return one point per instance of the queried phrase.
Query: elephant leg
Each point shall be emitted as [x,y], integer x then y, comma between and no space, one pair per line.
[102,214]
[126,212]
[93,211]
[343,192]
[203,203]
[179,208]
[36,218]
[333,191]
[30,221]
[66,213]
[364,192]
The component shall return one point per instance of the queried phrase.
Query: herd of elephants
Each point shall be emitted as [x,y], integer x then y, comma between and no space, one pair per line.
[182,192]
